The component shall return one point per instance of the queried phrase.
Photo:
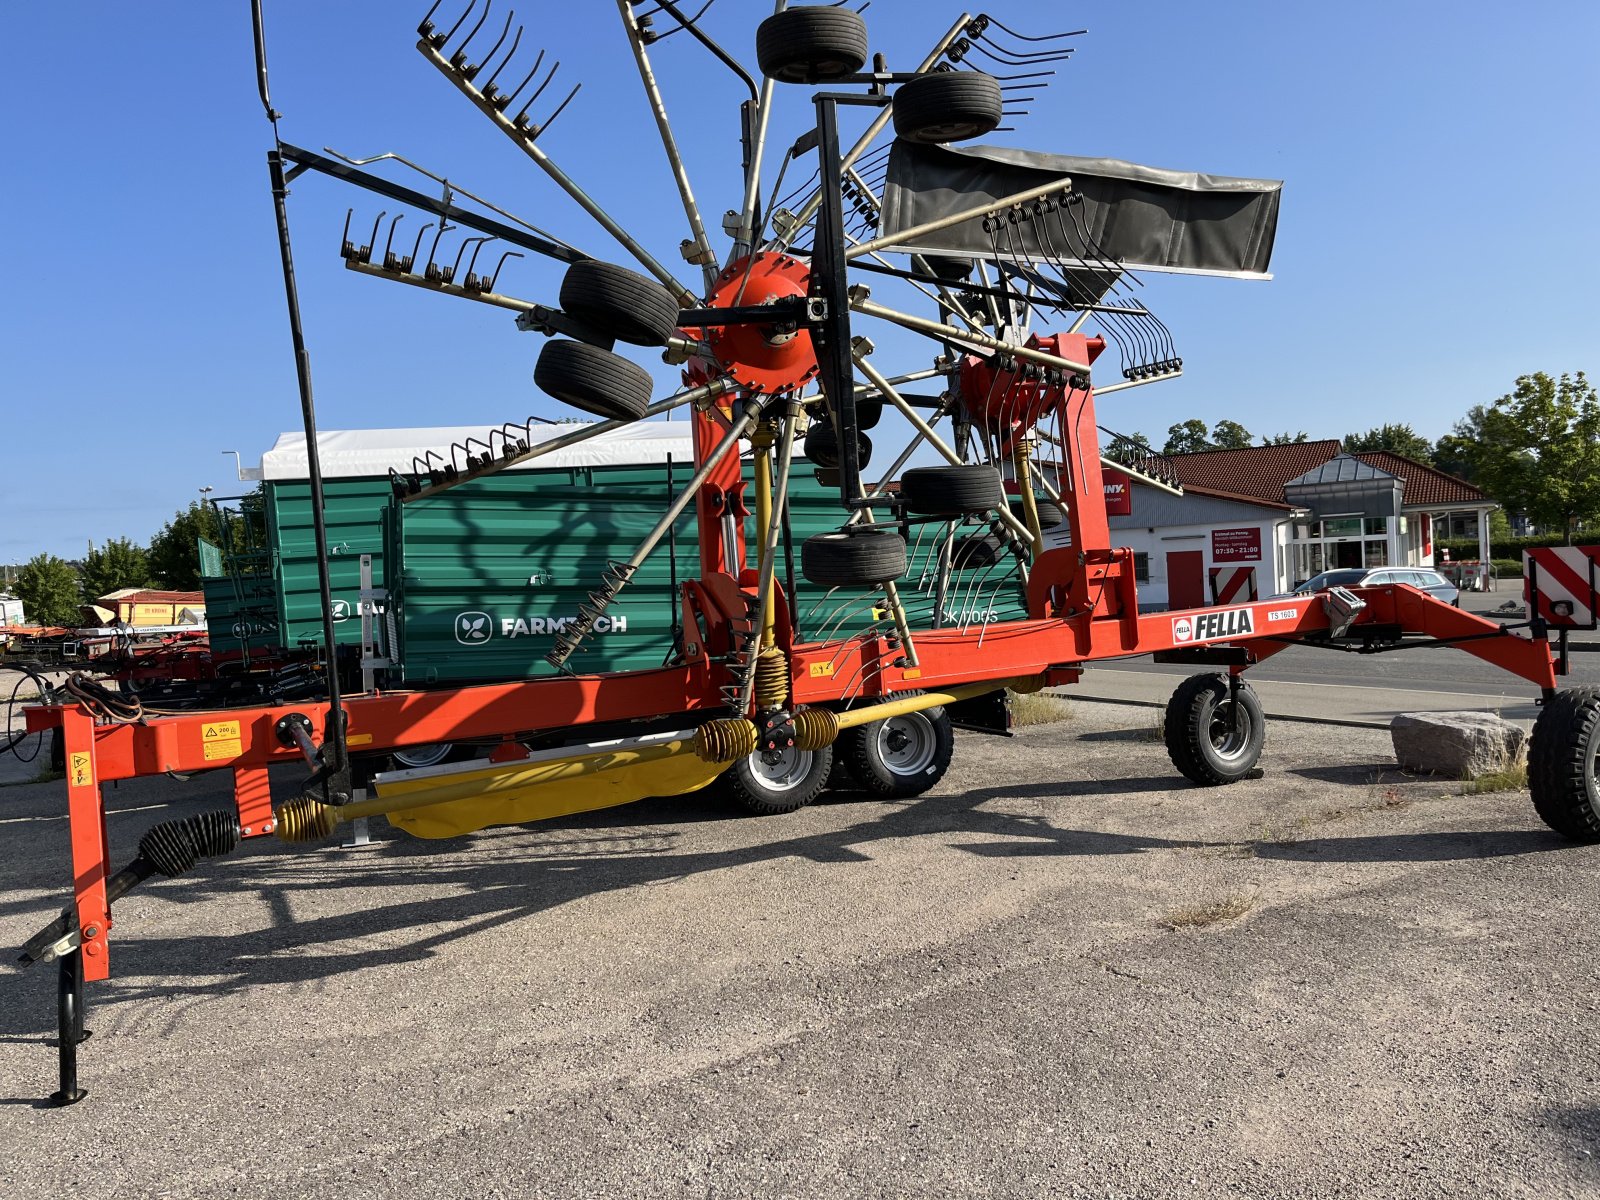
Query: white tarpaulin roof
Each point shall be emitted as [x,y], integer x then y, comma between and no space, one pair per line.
[355,453]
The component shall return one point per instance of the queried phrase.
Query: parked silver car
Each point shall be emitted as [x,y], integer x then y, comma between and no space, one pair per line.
[1432,582]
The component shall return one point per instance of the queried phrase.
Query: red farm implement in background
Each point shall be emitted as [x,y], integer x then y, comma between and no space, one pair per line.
[866,641]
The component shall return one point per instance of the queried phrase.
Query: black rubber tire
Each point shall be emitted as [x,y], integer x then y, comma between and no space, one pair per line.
[1561,764]
[952,491]
[746,785]
[947,106]
[595,380]
[901,757]
[1050,514]
[811,44]
[852,559]
[951,269]
[1196,720]
[976,552]
[822,445]
[868,412]
[431,755]
[628,306]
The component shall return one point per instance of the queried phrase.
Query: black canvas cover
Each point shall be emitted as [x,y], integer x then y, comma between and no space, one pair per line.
[1144,218]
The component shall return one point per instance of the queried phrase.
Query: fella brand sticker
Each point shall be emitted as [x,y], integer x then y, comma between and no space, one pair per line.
[1207,627]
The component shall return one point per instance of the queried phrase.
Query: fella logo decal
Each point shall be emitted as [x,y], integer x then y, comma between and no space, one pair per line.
[474,628]
[1206,627]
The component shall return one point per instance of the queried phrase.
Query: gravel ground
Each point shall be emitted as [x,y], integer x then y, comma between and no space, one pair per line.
[1063,972]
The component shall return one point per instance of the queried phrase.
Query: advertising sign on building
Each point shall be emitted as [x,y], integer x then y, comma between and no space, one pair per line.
[1236,545]
[1119,493]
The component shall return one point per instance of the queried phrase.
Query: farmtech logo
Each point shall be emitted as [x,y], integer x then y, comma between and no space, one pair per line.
[476,628]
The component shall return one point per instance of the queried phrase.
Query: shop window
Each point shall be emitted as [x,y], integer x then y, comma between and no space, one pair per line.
[1141,567]
[1342,527]
[1376,526]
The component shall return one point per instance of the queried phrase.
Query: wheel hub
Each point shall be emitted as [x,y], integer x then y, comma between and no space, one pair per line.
[763,358]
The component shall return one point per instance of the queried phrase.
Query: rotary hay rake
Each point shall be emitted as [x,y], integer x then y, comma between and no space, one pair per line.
[941,586]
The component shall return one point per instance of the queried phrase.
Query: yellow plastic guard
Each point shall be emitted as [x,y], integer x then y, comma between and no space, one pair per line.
[515,793]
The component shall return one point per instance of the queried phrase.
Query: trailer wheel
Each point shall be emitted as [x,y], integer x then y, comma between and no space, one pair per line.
[850,559]
[1561,764]
[593,379]
[947,106]
[811,44]
[1201,739]
[902,756]
[822,445]
[777,781]
[950,268]
[952,491]
[629,306]
[1050,514]
[411,757]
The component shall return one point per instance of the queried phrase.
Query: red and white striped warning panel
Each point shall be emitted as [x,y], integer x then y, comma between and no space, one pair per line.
[1229,584]
[1558,582]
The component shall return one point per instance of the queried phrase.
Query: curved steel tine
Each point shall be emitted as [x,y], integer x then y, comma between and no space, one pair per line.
[366,251]
[454,270]
[1022,37]
[471,72]
[388,245]
[537,92]
[346,250]
[440,42]
[459,58]
[444,227]
[490,93]
[471,280]
[425,26]
[504,102]
[551,119]
[411,258]
[495,278]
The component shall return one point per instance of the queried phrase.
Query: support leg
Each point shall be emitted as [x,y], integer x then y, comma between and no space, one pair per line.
[69,1014]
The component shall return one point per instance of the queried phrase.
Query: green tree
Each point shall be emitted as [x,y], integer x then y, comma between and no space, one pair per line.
[48,589]
[1230,435]
[1454,452]
[1129,448]
[1398,439]
[1540,451]
[118,564]
[1285,438]
[175,551]
[1186,438]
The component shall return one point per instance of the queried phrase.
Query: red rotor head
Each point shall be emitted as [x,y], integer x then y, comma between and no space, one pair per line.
[763,358]
[1012,400]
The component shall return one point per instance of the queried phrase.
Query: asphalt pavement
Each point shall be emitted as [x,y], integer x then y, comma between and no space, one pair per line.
[1064,972]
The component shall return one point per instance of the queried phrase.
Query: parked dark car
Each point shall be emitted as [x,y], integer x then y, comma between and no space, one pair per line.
[1432,582]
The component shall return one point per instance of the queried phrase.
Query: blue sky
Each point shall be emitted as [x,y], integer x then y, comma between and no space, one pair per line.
[1436,237]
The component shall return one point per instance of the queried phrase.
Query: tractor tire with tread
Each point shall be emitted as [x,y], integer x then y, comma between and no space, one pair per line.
[595,380]
[1200,741]
[1050,514]
[899,757]
[622,303]
[783,781]
[1561,764]
[947,106]
[821,446]
[811,44]
[977,551]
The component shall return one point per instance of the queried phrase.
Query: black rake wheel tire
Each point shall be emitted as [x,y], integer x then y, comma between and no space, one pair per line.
[628,306]
[822,445]
[947,106]
[811,44]
[852,559]
[976,551]
[1050,514]
[902,756]
[950,268]
[1561,764]
[595,380]
[767,783]
[1201,739]
[952,491]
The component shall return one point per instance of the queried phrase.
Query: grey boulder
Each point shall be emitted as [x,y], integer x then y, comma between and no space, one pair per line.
[1461,745]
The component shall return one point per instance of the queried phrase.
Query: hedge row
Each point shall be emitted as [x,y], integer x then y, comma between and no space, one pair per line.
[1466,549]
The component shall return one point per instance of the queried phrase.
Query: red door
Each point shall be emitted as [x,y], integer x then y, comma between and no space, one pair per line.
[1186,579]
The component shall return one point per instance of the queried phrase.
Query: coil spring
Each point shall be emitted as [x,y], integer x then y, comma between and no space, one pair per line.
[172,847]
[815,728]
[725,740]
[740,665]
[772,679]
[305,819]
[612,580]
